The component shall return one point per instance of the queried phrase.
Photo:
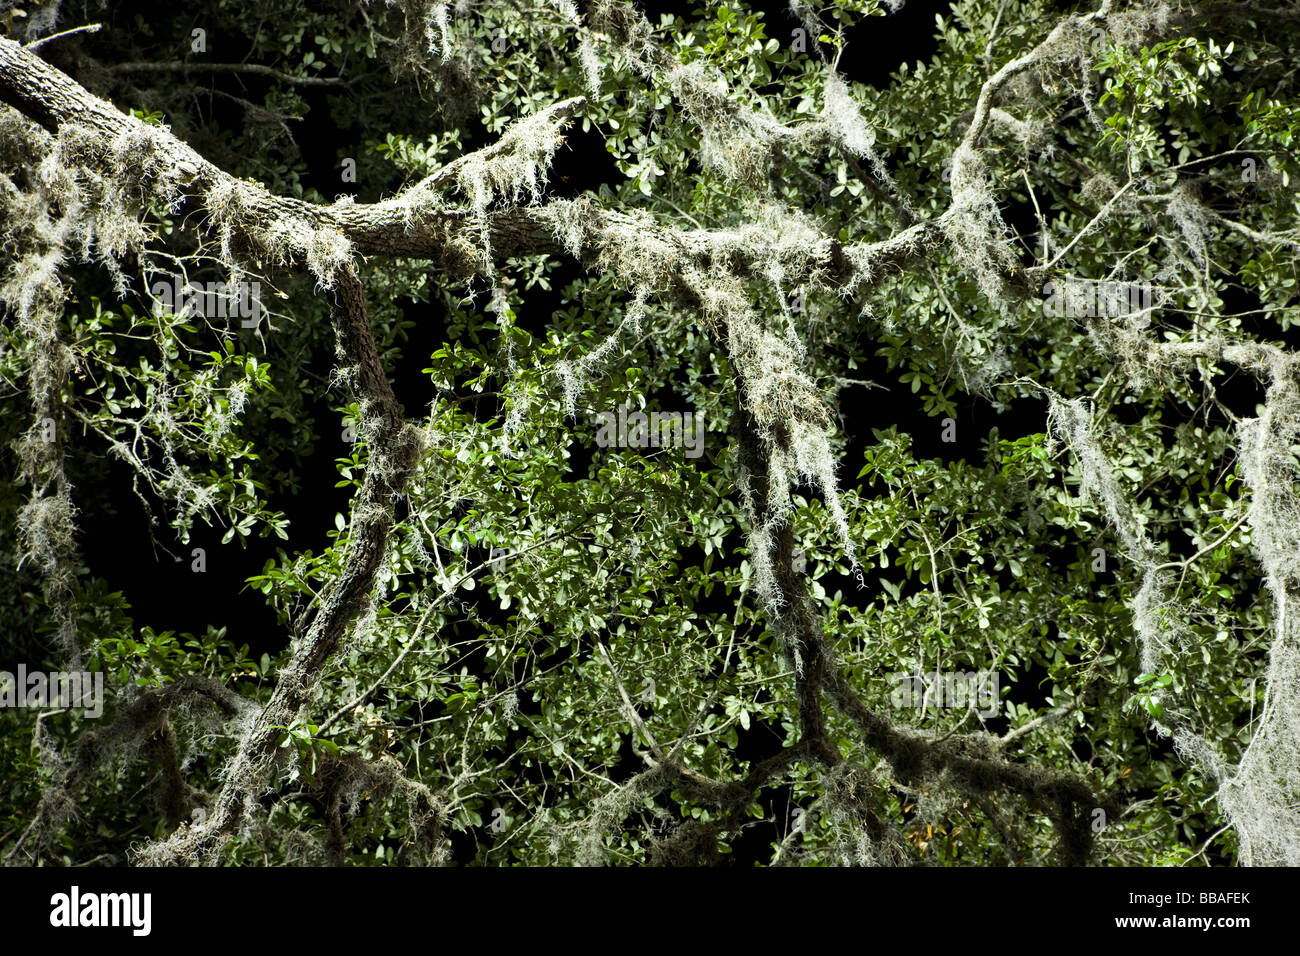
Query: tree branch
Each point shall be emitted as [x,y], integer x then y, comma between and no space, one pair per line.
[257,69]
[394,449]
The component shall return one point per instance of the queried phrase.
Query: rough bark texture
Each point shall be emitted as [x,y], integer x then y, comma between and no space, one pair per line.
[252,223]
[394,450]
[412,225]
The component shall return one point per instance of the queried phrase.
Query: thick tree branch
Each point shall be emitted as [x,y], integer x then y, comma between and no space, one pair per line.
[414,224]
[394,449]
[972,761]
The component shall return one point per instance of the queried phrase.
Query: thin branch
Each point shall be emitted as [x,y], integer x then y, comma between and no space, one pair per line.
[256,69]
[88,28]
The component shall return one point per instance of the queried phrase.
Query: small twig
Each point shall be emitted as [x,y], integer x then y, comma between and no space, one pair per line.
[1206,845]
[1036,722]
[632,715]
[88,28]
[1185,564]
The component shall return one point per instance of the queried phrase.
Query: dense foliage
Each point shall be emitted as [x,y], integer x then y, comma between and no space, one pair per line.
[986,369]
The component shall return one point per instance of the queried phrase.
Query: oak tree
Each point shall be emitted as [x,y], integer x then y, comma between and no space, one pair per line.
[649,435]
